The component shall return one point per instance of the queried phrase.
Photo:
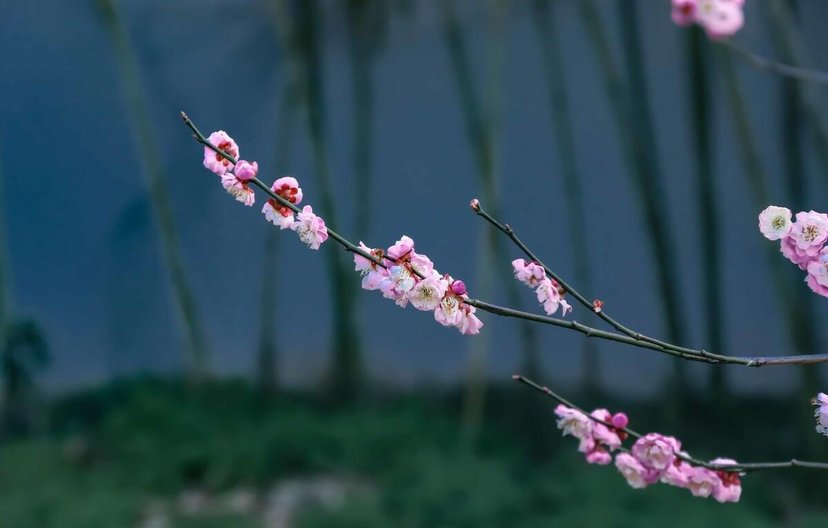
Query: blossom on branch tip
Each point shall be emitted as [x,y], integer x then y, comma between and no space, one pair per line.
[215,161]
[276,213]
[775,222]
[310,228]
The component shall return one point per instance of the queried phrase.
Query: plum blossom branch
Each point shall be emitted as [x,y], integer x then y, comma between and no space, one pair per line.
[625,335]
[614,425]
[348,245]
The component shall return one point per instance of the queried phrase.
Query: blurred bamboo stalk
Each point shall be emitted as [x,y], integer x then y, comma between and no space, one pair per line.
[346,371]
[633,120]
[365,20]
[701,100]
[564,138]
[795,105]
[481,124]
[142,128]
[799,318]
[789,44]
[267,364]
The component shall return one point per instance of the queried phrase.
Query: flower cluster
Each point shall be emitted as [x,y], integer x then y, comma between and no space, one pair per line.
[405,276]
[653,457]
[803,242]
[400,273]
[719,18]
[821,413]
[549,292]
[236,178]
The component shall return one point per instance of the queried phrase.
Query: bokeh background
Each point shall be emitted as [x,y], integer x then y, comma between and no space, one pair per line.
[169,359]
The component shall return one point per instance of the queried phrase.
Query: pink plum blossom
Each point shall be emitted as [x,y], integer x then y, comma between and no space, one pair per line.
[372,273]
[677,473]
[449,312]
[428,293]
[246,171]
[470,324]
[792,252]
[656,451]
[821,413]
[549,297]
[310,228]
[397,283]
[775,222]
[810,231]
[601,433]
[730,489]
[702,482]
[720,18]
[276,213]
[575,423]
[401,248]
[215,161]
[599,456]
[529,273]
[238,189]
[817,277]
[684,12]
[634,472]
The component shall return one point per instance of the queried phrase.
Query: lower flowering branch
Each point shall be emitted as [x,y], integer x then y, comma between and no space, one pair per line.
[653,457]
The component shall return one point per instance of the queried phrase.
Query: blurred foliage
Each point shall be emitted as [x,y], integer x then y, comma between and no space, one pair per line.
[113,452]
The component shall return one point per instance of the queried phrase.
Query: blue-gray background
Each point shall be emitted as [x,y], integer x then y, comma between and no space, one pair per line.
[86,262]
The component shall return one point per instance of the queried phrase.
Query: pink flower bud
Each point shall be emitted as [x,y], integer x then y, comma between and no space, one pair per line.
[458,287]
[620,420]
[475,205]
[246,171]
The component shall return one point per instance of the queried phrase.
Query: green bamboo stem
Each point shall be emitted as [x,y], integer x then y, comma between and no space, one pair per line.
[268,349]
[633,121]
[564,138]
[789,44]
[345,376]
[363,46]
[701,99]
[142,129]
[481,123]
[800,328]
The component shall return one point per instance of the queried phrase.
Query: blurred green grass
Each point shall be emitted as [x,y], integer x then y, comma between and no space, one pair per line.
[112,452]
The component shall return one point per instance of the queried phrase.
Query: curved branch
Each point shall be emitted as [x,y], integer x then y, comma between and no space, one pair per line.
[770,65]
[734,468]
